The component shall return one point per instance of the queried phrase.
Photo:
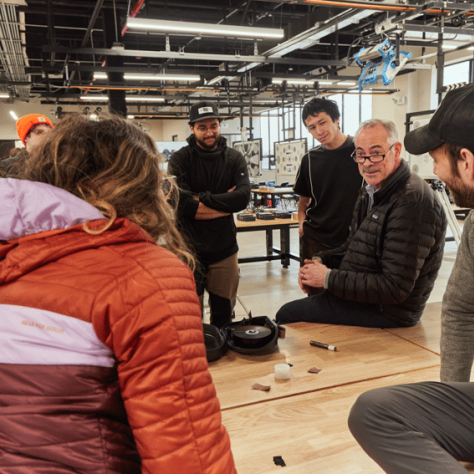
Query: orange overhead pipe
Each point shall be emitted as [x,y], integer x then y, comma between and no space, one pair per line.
[117,88]
[191,90]
[335,3]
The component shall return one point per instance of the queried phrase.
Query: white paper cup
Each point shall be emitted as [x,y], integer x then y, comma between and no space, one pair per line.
[282,371]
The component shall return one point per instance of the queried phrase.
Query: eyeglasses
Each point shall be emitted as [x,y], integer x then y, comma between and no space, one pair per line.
[375,158]
[203,129]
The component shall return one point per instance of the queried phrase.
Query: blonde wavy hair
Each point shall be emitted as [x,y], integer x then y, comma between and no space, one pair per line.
[114,166]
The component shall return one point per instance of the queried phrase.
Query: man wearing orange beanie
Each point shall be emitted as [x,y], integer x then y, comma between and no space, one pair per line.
[31,129]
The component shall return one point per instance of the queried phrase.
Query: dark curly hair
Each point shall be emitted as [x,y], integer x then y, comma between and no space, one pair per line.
[112,165]
[320,104]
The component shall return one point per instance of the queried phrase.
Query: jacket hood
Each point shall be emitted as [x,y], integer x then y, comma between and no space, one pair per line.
[29,207]
[40,223]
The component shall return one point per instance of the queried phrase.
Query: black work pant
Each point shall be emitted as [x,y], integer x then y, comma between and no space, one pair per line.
[330,309]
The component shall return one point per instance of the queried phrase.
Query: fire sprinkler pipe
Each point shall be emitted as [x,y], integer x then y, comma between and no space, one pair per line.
[133,14]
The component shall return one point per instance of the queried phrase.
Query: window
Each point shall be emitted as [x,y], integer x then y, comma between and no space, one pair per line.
[456,73]
[231,138]
[270,125]
[453,73]
[276,124]
[351,114]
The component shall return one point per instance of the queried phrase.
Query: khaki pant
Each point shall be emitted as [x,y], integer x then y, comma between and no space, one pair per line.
[221,280]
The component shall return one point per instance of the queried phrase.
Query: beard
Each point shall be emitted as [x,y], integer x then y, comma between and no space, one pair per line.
[462,194]
[205,146]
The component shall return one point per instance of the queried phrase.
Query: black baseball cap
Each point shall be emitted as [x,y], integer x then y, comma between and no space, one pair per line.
[453,123]
[203,110]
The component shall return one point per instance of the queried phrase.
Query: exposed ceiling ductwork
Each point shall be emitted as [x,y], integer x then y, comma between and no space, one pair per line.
[50,49]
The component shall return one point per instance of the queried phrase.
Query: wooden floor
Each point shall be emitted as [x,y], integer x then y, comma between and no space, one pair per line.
[304,420]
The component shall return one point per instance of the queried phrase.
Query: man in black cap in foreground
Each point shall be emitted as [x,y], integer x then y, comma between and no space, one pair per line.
[214,183]
[428,427]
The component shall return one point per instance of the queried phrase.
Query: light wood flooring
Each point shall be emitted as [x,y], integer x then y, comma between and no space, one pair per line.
[305,421]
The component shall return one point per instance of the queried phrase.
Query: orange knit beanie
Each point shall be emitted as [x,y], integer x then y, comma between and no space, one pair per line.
[25,123]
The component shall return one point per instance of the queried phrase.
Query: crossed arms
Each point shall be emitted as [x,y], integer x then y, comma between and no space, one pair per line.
[205,213]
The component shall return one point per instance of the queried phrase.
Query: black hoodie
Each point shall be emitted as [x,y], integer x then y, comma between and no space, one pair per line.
[210,175]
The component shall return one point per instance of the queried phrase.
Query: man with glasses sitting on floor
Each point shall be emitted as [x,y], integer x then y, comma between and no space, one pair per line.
[383,274]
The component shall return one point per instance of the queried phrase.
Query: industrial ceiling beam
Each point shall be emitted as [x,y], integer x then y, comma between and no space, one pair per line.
[438,29]
[192,56]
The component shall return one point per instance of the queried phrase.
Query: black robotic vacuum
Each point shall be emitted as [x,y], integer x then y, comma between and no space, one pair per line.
[257,335]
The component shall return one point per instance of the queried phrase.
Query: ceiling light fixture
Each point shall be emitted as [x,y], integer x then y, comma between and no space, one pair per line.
[215,80]
[4,96]
[277,80]
[92,97]
[247,67]
[204,28]
[150,77]
[128,98]
[144,99]
[13,114]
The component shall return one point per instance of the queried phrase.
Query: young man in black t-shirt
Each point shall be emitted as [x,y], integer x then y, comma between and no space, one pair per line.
[327,182]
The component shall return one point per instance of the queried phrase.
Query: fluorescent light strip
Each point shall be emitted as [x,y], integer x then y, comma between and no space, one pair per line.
[145,99]
[13,114]
[248,67]
[129,98]
[91,97]
[204,28]
[160,77]
[215,79]
[149,77]
[4,96]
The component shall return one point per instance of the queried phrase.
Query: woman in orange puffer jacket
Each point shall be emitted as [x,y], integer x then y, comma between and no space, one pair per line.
[102,362]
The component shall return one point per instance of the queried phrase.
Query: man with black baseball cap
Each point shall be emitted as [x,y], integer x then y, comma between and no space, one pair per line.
[214,183]
[428,427]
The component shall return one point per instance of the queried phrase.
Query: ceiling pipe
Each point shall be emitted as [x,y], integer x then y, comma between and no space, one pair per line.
[370,6]
[133,14]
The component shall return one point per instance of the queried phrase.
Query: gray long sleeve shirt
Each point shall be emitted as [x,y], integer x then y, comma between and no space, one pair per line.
[457,317]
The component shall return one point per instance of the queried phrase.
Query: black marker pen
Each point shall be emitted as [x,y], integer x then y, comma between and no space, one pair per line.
[323,346]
